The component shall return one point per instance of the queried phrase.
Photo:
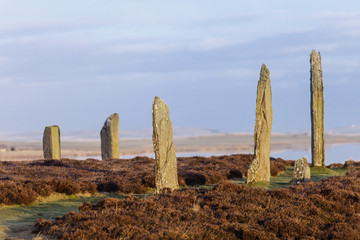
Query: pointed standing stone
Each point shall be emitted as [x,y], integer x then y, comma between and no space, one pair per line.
[259,169]
[166,164]
[51,142]
[110,137]
[301,171]
[317,111]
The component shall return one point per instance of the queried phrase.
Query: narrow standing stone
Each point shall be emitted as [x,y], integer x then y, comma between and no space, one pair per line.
[317,111]
[110,137]
[166,164]
[51,142]
[301,171]
[259,169]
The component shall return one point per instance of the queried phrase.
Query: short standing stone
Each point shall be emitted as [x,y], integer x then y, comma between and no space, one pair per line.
[51,142]
[166,164]
[110,137]
[259,169]
[351,165]
[317,111]
[301,171]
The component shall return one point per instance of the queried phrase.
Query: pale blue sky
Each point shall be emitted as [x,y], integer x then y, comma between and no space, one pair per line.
[73,63]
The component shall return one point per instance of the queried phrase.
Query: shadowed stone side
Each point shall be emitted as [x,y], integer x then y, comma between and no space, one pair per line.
[166,164]
[259,169]
[301,171]
[110,138]
[51,142]
[317,111]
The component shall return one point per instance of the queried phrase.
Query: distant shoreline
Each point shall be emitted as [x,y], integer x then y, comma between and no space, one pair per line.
[216,143]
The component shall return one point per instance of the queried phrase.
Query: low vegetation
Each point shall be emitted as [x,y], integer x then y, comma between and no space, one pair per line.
[25,182]
[329,209]
[210,205]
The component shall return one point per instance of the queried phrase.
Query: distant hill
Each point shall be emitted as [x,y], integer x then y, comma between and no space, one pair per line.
[95,135]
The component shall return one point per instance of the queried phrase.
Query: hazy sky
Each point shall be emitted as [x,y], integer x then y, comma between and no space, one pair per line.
[73,63]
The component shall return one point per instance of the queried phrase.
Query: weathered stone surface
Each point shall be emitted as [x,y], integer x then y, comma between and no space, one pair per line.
[351,165]
[317,111]
[166,164]
[51,143]
[110,137]
[301,171]
[259,169]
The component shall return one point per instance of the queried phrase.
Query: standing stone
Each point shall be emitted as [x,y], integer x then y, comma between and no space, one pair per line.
[317,111]
[259,169]
[51,142]
[351,165]
[166,164]
[301,171]
[110,137]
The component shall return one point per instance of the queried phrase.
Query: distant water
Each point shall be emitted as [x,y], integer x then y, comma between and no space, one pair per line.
[338,153]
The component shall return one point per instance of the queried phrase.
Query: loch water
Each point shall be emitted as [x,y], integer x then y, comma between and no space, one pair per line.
[337,153]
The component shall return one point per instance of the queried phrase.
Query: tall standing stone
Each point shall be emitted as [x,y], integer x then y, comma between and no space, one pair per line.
[317,111]
[259,169]
[51,143]
[110,137]
[166,164]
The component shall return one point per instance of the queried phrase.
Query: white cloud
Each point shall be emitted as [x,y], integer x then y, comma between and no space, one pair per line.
[4,81]
[318,47]
[211,43]
[340,81]
[169,45]
[342,64]
[25,83]
[339,19]
[337,15]
[286,84]
[352,33]
[4,59]
[239,75]
[141,47]
[297,49]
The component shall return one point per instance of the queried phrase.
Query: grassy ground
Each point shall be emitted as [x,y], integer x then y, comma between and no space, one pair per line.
[16,221]
[283,180]
[317,174]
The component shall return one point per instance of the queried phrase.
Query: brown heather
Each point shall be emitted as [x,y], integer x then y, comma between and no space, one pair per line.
[329,209]
[24,182]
